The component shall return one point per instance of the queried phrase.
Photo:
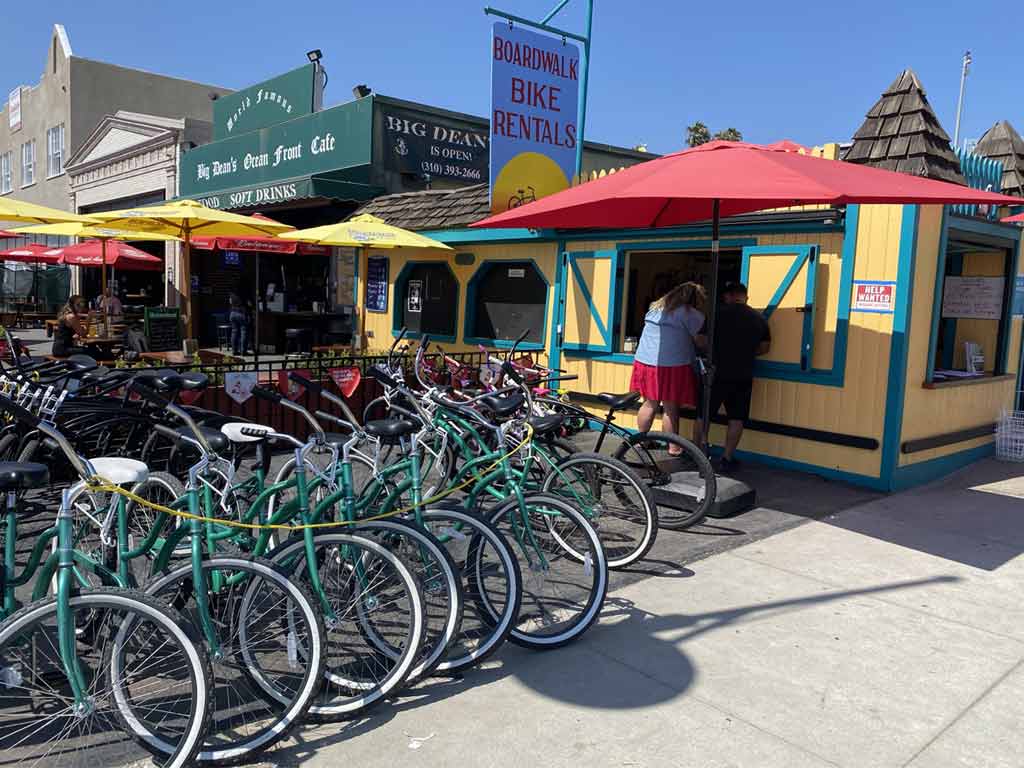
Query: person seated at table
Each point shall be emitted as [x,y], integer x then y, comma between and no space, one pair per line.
[71,328]
[108,304]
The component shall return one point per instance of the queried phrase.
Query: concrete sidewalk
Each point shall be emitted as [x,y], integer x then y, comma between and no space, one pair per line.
[890,634]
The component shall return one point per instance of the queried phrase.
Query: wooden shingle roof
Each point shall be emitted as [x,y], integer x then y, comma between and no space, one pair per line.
[1001,142]
[901,133]
[432,208]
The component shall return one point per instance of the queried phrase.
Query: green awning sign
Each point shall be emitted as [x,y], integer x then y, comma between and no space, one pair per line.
[322,142]
[273,101]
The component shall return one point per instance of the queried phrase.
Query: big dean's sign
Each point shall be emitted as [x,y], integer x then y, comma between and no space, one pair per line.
[334,139]
[431,145]
[273,101]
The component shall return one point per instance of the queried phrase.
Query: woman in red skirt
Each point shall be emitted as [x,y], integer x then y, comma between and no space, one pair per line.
[663,366]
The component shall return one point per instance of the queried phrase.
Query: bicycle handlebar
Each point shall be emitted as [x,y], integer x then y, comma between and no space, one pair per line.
[153,396]
[267,394]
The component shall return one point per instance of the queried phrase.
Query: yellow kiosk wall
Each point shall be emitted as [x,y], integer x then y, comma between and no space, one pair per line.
[379,325]
[856,408]
[975,403]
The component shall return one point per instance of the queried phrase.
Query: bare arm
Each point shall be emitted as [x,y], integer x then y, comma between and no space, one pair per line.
[76,324]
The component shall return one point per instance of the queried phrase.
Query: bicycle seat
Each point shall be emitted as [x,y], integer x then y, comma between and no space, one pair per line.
[503,405]
[119,470]
[80,365]
[95,375]
[390,429]
[619,402]
[162,379]
[543,425]
[233,431]
[192,380]
[218,440]
[22,475]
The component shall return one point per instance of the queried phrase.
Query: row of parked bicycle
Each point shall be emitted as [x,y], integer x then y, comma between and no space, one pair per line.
[195,597]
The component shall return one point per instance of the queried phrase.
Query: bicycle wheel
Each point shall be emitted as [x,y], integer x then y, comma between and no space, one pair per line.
[684,486]
[486,565]
[614,499]
[147,682]
[376,623]
[439,581]
[271,649]
[562,592]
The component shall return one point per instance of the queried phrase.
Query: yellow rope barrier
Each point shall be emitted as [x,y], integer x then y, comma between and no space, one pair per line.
[98,484]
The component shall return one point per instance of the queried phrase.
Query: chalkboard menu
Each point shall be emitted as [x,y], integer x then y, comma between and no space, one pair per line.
[377,284]
[163,328]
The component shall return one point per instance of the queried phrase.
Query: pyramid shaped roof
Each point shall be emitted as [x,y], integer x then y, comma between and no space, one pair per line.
[1002,142]
[901,133]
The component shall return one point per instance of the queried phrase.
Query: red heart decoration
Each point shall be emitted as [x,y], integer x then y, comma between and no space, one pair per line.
[346,379]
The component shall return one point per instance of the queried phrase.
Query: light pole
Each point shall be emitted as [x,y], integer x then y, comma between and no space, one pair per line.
[960,102]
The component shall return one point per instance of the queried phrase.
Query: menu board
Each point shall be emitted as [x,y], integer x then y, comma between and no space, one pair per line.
[163,328]
[978,298]
[377,284]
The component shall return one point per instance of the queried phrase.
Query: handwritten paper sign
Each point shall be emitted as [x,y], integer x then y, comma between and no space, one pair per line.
[977,298]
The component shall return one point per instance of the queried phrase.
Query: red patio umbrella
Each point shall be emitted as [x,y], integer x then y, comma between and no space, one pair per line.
[726,178]
[264,244]
[1016,219]
[788,145]
[732,177]
[33,253]
[113,253]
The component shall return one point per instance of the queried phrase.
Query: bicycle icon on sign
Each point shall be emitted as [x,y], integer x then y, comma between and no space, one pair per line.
[522,197]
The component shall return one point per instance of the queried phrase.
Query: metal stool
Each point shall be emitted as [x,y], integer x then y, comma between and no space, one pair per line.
[223,336]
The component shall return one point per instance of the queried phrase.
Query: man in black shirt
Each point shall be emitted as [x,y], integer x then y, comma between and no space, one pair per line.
[741,334]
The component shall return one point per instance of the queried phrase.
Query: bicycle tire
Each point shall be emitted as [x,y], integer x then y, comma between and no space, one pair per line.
[350,696]
[192,662]
[440,585]
[646,453]
[285,704]
[474,644]
[615,500]
[591,572]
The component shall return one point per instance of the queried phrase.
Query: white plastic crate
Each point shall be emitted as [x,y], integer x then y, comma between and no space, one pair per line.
[1010,436]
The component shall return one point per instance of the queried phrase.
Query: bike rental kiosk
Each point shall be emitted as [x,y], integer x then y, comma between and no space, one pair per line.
[896,334]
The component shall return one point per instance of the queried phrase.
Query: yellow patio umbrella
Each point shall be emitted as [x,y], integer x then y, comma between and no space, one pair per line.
[364,231]
[18,210]
[94,231]
[184,218]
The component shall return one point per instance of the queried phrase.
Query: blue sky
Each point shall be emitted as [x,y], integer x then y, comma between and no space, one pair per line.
[797,70]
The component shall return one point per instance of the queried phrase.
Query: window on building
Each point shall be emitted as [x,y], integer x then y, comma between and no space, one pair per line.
[55,151]
[975,299]
[6,173]
[427,299]
[652,274]
[506,298]
[28,163]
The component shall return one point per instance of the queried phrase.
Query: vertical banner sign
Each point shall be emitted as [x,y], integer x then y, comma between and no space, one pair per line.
[14,110]
[534,94]
[377,284]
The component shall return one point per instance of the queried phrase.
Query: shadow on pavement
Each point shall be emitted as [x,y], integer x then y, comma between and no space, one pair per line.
[605,670]
[974,517]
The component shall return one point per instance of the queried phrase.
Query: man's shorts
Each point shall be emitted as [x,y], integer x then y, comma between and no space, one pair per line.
[735,395]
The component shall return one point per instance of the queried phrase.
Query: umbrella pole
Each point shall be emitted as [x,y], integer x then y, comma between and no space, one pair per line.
[103,286]
[256,319]
[709,375]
